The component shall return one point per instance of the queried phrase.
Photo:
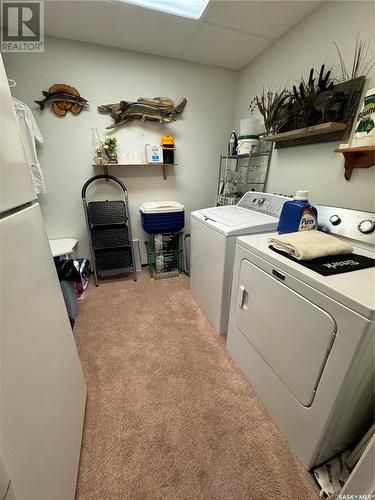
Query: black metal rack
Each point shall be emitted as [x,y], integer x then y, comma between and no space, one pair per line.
[110,235]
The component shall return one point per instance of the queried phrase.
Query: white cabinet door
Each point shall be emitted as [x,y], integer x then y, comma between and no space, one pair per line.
[43,391]
[291,334]
[16,184]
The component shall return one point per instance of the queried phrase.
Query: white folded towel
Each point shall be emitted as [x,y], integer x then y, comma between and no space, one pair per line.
[308,245]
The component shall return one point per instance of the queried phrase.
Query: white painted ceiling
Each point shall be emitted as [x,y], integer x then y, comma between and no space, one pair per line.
[230,33]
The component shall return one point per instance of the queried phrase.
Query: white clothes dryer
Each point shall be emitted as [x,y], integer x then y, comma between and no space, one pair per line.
[305,341]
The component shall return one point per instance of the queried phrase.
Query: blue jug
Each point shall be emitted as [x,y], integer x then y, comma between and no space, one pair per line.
[298,215]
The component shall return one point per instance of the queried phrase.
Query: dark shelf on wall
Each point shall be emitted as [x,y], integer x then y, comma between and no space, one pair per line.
[336,125]
[323,132]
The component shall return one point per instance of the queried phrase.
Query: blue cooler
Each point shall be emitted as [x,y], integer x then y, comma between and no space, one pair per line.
[162,216]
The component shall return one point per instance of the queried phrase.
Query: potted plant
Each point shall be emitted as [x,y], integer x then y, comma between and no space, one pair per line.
[109,145]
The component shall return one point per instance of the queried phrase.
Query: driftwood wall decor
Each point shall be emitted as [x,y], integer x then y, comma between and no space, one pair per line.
[63,98]
[159,109]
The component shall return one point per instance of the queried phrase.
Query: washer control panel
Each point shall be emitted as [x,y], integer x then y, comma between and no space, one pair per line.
[354,224]
[267,203]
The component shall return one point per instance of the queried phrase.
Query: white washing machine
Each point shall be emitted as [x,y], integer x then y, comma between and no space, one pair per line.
[213,240]
[305,341]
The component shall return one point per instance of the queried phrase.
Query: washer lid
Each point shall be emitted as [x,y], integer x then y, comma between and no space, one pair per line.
[354,289]
[235,220]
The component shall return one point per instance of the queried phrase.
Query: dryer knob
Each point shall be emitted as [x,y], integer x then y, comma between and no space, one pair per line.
[334,220]
[261,201]
[366,226]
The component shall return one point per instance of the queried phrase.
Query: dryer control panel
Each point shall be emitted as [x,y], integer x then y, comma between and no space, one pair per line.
[266,203]
[354,224]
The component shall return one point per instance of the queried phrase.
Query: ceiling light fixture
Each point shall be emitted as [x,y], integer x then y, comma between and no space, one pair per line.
[184,8]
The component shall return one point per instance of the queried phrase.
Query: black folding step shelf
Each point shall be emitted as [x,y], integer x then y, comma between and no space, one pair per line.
[109,227]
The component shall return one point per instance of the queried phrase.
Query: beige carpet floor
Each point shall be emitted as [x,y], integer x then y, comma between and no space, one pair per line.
[169,415]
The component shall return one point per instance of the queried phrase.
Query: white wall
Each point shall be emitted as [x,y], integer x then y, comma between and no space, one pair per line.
[105,75]
[309,44]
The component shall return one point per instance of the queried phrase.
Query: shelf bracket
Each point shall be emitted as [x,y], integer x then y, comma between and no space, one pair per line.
[358,159]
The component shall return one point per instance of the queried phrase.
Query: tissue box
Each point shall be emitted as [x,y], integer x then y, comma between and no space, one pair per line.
[154,153]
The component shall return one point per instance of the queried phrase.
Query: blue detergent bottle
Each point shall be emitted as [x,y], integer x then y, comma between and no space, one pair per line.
[298,215]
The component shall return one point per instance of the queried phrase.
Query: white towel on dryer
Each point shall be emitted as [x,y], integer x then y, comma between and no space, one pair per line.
[308,245]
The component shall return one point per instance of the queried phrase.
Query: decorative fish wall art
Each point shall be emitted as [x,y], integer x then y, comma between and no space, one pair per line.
[63,98]
[159,109]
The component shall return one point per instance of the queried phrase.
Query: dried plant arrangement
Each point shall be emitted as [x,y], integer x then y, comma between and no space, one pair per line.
[362,62]
[305,95]
[321,99]
[361,66]
[269,105]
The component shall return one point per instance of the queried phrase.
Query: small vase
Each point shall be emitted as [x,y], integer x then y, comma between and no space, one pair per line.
[95,139]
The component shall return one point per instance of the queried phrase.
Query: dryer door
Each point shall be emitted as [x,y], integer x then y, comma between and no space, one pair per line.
[291,334]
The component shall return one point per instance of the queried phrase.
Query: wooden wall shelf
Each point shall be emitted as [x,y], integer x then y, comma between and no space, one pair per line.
[361,157]
[308,135]
[164,166]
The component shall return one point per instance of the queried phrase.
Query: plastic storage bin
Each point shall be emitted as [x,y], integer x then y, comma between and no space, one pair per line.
[162,216]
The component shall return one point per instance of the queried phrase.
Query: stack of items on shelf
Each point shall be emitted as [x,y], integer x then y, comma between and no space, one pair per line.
[163,221]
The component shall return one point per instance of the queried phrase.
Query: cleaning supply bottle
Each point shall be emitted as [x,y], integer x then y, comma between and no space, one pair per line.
[364,133]
[298,215]
[232,144]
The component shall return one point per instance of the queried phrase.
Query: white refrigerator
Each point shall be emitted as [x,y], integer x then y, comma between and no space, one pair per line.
[42,388]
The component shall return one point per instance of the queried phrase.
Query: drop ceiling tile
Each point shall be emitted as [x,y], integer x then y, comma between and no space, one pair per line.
[120,25]
[225,47]
[248,27]
[266,18]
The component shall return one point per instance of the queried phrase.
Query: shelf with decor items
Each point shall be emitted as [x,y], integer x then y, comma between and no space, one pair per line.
[316,110]
[357,157]
[164,166]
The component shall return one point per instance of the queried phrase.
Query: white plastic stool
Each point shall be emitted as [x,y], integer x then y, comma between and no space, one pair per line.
[63,247]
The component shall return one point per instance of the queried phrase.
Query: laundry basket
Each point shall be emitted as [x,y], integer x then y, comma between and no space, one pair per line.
[164,255]
[109,228]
